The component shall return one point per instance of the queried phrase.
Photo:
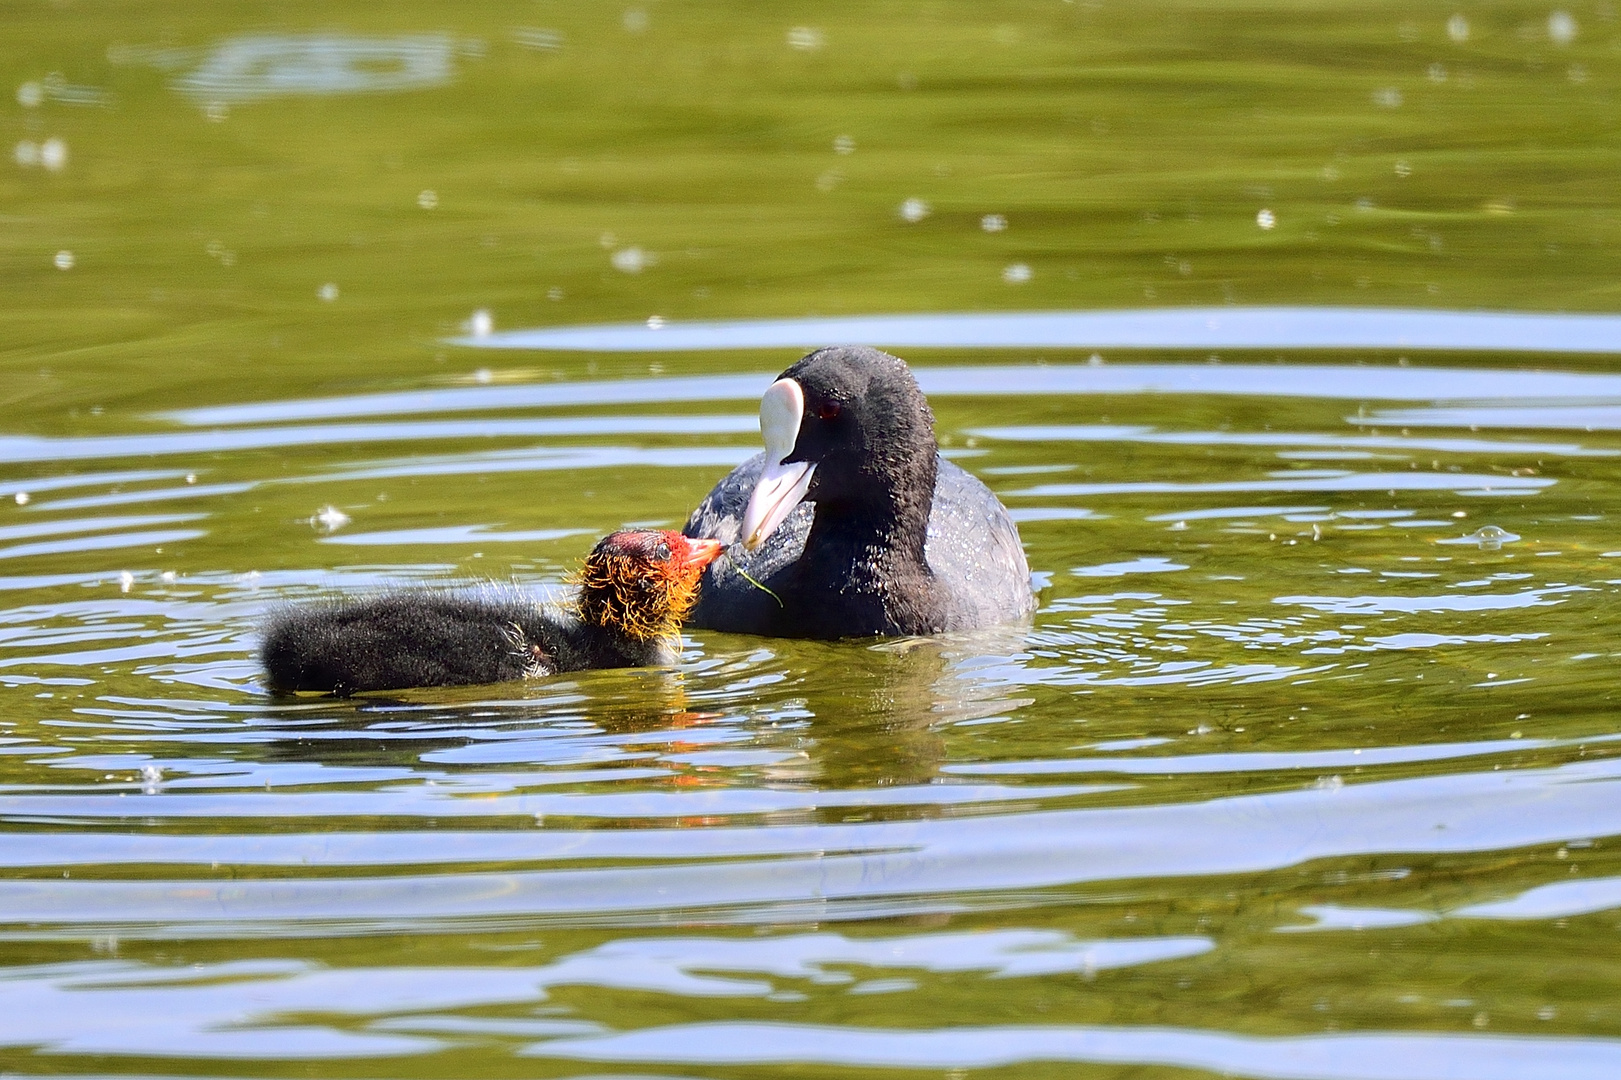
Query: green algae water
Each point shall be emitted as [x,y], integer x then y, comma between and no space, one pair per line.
[1307,768]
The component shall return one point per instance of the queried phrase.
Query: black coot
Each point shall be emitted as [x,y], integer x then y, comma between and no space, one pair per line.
[850,524]
[635,588]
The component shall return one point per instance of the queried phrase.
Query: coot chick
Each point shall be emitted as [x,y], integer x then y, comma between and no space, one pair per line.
[895,540]
[634,590]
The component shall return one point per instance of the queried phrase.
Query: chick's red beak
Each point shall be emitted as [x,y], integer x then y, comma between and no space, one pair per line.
[700,553]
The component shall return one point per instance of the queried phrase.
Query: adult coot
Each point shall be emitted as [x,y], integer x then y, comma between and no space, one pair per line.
[635,588]
[850,524]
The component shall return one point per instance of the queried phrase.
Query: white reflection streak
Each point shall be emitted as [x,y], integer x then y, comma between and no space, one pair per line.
[230,1010]
[270,65]
[1139,328]
[855,864]
[1373,1056]
[1342,382]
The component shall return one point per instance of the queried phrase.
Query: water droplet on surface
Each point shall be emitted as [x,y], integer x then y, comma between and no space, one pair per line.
[844,145]
[480,323]
[428,199]
[914,210]
[53,154]
[631,260]
[1487,538]
[993,223]
[327,292]
[1561,28]
[1266,219]
[1017,274]
[805,39]
[63,260]
[329,519]
[1458,29]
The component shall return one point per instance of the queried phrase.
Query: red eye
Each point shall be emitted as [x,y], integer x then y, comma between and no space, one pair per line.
[828,410]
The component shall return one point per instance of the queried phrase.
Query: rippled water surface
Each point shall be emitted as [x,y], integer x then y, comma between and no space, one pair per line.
[1307,768]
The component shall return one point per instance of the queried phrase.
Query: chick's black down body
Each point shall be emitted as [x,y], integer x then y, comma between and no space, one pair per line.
[891,539]
[425,638]
[635,587]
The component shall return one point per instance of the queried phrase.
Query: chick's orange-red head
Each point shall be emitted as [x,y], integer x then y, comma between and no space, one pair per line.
[643,582]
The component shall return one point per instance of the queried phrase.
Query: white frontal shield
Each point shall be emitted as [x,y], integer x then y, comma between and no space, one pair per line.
[780,487]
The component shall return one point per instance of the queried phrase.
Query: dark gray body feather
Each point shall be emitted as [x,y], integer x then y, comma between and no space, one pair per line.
[973,550]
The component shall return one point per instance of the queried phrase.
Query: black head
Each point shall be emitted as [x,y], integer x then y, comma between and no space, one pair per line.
[849,429]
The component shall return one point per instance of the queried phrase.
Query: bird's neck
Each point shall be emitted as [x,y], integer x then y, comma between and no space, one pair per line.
[875,552]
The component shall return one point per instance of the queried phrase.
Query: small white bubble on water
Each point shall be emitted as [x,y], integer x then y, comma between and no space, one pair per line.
[805,39]
[483,376]
[914,210]
[1458,29]
[26,153]
[655,322]
[635,20]
[554,293]
[330,519]
[1561,27]
[1328,783]
[328,292]
[480,323]
[1095,360]
[63,260]
[151,779]
[1403,169]
[126,581]
[843,144]
[428,198]
[993,223]
[1487,538]
[53,154]
[1387,97]
[21,498]
[631,260]
[30,95]
[1437,73]
[1266,219]
[1017,274]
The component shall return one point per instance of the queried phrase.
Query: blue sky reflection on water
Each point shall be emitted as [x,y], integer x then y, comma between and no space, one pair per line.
[1138,328]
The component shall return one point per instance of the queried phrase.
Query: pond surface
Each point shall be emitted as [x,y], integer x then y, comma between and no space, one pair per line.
[1309,766]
